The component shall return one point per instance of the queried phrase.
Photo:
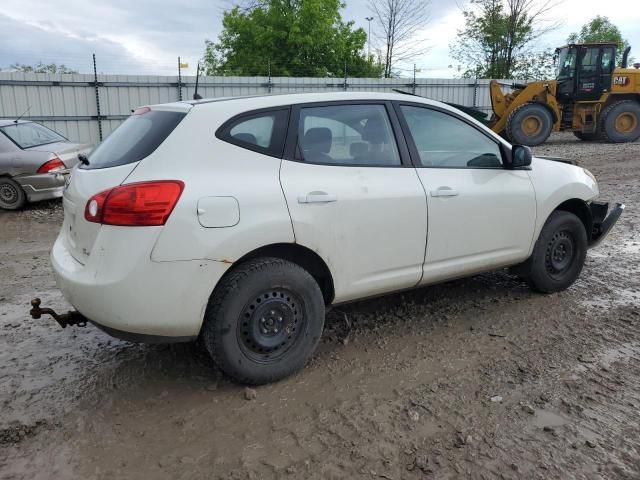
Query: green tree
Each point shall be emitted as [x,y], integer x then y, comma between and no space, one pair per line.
[600,29]
[289,38]
[42,68]
[499,36]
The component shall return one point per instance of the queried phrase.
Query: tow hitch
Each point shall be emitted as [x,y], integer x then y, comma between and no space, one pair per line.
[66,319]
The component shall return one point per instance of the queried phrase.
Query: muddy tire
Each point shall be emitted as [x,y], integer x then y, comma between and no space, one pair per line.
[558,255]
[529,124]
[12,197]
[263,320]
[587,137]
[620,122]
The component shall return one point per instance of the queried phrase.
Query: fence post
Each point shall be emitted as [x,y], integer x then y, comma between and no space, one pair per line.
[179,81]
[475,92]
[345,85]
[413,85]
[269,84]
[95,82]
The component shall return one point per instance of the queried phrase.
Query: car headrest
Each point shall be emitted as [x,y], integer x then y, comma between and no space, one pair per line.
[374,131]
[246,137]
[317,139]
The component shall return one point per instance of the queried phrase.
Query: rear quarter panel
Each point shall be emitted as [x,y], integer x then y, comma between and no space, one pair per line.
[210,167]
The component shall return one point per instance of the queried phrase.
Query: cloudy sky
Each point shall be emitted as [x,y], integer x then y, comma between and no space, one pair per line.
[147,36]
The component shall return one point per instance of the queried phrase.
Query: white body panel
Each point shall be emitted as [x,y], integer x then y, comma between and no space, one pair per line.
[373,237]
[485,220]
[371,231]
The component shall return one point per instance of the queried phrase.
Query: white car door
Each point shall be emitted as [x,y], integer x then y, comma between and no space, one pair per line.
[481,215]
[354,197]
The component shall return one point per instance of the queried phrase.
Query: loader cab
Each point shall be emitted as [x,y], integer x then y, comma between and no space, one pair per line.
[584,71]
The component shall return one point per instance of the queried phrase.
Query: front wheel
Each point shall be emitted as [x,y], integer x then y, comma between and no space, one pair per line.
[558,255]
[264,320]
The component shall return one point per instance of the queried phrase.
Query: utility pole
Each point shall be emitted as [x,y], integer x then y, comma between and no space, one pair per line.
[368,19]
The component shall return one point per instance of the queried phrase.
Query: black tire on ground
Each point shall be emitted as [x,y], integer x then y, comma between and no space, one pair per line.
[264,320]
[620,122]
[558,255]
[587,137]
[530,124]
[12,197]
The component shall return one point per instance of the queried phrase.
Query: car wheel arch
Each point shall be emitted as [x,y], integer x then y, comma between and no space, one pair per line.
[300,255]
[580,209]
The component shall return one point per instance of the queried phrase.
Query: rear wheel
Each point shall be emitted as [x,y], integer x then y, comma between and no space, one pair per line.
[529,124]
[587,137]
[620,122]
[558,255]
[264,320]
[12,197]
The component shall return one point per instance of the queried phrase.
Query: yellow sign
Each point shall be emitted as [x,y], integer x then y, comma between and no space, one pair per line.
[184,65]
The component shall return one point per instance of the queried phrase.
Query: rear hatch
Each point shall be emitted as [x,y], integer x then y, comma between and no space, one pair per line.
[109,166]
[65,151]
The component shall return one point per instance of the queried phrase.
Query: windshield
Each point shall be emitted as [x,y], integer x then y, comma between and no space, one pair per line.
[29,134]
[566,63]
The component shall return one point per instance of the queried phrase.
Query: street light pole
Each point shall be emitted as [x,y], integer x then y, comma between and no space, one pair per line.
[368,19]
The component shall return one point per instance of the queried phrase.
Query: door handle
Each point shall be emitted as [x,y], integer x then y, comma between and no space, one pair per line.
[444,192]
[317,197]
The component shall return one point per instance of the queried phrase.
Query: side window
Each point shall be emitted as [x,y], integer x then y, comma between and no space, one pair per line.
[607,63]
[444,141]
[262,132]
[349,135]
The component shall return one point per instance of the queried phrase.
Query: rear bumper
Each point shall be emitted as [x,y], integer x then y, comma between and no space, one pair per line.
[123,292]
[42,186]
[603,220]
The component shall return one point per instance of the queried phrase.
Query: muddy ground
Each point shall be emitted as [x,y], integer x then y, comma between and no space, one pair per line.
[479,378]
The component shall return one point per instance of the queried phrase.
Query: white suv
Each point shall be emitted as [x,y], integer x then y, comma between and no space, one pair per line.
[240,220]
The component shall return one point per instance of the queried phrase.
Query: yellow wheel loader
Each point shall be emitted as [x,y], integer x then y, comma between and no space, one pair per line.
[590,97]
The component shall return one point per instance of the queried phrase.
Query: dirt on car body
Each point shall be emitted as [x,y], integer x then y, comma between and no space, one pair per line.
[477,378]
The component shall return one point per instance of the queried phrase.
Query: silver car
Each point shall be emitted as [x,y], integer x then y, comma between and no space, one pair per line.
[34,162]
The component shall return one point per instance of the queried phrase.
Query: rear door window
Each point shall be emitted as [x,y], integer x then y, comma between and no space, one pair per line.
[262,132]
[138,137]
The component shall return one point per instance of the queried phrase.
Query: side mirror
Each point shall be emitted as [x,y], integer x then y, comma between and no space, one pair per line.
[520,156]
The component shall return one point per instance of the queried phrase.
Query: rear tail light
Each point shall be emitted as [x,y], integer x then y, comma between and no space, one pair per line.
[52,165]
[135,204]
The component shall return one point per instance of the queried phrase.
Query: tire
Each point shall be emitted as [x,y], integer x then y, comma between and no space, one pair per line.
[529,124]
[559,254]
[264,320]
[587,137]
[620,122]
[12,197]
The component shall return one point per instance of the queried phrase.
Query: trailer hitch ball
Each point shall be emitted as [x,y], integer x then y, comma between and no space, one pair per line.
[64,320]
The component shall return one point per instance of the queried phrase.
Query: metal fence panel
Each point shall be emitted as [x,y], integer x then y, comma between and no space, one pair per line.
[67,102]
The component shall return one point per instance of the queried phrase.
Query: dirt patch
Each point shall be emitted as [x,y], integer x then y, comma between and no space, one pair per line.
[478,378]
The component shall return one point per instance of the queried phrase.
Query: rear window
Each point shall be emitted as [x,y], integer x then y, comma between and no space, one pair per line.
[27,135]
[137,138]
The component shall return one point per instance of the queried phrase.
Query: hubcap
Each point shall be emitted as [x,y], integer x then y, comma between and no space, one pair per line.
[560,254]
[532,125]
[270,325]
[8,193]
[626,122]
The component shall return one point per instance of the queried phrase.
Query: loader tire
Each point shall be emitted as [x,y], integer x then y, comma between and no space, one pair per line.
[620,122]
[529,124]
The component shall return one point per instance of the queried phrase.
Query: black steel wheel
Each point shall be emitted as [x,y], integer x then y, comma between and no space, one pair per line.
[12,197]
[271,323]
[263,320]
[559,254]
